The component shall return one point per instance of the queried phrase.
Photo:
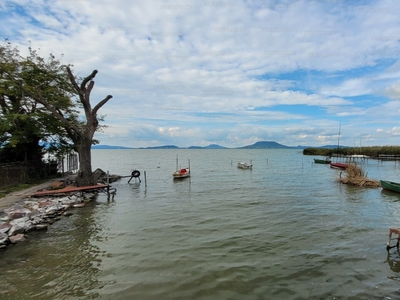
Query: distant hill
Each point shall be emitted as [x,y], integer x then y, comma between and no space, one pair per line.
[212,146]
[257,145]
[109,147]
[161,147]
[266,145]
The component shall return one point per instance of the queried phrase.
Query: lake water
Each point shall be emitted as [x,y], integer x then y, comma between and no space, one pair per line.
[283,230]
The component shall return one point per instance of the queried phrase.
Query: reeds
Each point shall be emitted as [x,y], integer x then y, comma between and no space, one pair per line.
[355,175]
[372,151]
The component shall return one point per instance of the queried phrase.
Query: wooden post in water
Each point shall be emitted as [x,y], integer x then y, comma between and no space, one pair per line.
[145,179]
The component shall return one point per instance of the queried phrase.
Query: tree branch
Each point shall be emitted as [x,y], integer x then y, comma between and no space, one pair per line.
[100,104]
[72,79]
[40,99]
[90,77]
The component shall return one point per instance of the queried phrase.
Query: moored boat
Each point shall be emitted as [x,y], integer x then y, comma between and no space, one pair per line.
[337,165]
[181,173]
[322,161]
[390,185]
[243,165]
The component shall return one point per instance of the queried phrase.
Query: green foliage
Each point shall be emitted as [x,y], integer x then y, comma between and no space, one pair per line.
[23,121]
[373,151]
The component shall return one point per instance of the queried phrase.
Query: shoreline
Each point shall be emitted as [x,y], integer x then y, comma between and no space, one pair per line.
[21,213]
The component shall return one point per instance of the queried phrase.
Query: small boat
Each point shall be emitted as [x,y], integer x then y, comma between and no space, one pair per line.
[181,173]
[338,165]
[243,165]
[322,161]
[390,185]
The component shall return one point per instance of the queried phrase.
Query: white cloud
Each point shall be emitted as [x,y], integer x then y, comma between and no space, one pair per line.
[198,72]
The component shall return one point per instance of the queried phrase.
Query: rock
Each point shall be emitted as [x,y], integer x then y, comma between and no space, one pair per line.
[3,239]
[57,185]
[5,227]
[42,226]
[97,174]
[16,229]
[3,216]
[17,238]
[78,205]
[16,215]
[20,221]
[45,203]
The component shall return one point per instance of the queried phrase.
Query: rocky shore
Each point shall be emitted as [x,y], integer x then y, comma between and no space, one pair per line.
[28,213]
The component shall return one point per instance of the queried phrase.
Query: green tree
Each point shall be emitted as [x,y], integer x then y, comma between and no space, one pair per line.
[57,97]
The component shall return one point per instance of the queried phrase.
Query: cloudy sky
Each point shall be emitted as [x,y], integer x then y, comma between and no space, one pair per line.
[227,72]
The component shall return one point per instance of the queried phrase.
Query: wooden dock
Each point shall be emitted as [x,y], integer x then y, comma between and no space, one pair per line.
[105,188]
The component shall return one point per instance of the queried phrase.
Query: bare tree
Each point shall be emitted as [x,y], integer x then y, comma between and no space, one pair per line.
[80,133]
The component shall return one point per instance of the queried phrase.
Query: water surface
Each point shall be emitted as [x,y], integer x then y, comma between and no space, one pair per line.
[284,230]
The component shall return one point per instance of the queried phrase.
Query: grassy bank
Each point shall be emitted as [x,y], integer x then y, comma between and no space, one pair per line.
[19,187]
[373,151]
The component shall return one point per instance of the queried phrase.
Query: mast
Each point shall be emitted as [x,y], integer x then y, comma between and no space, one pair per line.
[338,140]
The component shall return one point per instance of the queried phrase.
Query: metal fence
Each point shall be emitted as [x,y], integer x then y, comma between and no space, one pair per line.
[24,172]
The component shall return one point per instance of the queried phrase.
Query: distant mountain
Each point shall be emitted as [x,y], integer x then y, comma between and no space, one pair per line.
[109,147]
[266,145]
[212,146]
[257,145]
[161,147]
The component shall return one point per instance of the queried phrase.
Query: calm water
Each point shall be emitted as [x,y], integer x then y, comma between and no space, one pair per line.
[284,230]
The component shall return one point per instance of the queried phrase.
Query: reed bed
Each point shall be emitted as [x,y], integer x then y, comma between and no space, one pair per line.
[355,175]
[371,151]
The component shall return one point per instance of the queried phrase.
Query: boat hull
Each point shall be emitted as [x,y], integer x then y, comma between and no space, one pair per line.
[183,173]
[390,186]
[337,165]
[245,166]
[322,161]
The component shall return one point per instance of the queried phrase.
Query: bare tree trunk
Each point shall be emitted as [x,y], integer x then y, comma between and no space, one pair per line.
[85,176]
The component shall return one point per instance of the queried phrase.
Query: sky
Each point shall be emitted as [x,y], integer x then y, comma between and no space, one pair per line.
[226,72]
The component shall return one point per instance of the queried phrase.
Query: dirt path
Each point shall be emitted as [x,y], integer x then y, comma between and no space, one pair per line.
[12,198]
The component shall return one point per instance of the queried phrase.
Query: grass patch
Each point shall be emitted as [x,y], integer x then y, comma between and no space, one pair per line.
[355,175]
[4,191]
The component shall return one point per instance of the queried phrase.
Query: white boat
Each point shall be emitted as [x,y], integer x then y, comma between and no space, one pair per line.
[181,173]
[243,165]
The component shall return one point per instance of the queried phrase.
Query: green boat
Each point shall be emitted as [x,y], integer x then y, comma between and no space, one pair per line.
[390,185]
[322,161]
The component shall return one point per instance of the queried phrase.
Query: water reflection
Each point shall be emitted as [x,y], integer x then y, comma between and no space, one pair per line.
[393,262]
[57,264]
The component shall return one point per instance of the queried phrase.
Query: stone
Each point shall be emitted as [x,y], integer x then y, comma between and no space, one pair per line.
[17,238]
[42,226]
[19,221]
[16,229]
[3,238]
[5,227]
[3,216]
[16,215]
[57,185]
